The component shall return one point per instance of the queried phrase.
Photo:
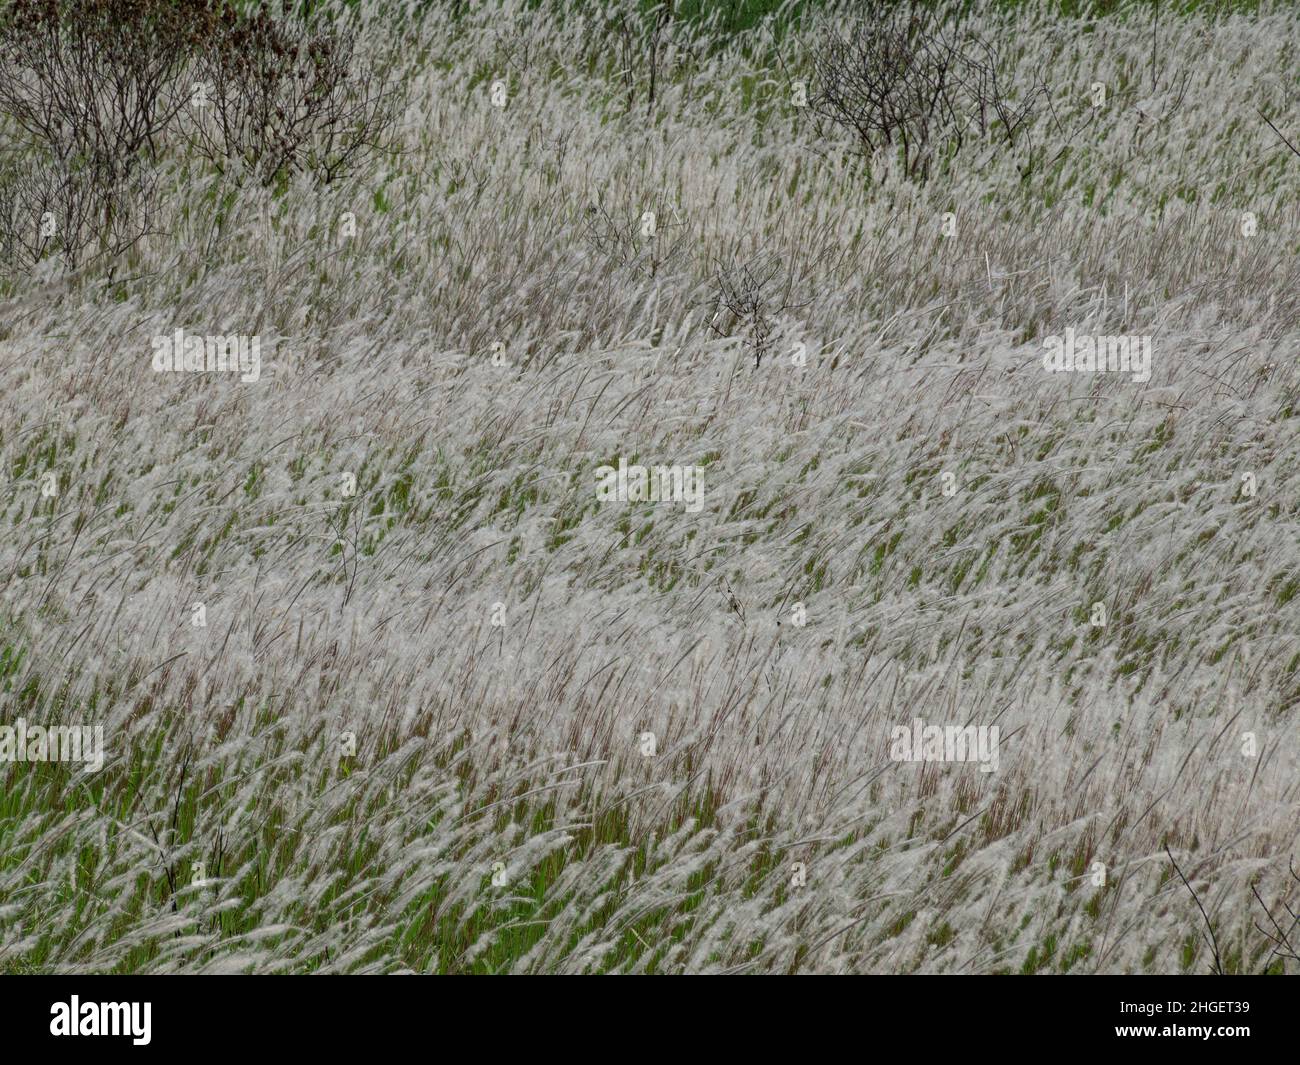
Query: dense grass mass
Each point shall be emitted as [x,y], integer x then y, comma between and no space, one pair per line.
[410,732]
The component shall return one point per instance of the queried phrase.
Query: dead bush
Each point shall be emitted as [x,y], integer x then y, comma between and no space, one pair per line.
[645,243]
[905,81]
[96,82]
[100,87]
[275,96]
[750,298]
[69,207]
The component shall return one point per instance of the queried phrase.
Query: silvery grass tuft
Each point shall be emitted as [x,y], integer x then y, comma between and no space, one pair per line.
[385,686]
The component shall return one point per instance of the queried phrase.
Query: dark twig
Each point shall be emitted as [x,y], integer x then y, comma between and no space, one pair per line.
[1278,132]
[1214,943]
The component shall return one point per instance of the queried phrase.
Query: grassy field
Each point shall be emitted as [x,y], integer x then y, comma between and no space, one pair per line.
[384,686]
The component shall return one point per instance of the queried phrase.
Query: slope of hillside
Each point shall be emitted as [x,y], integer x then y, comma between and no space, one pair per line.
[385,685]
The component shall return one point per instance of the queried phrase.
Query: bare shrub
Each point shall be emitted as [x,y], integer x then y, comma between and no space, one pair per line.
[275,96]
[888,81]
[751,296]
[902,80]
[96,82]
[644,243]
[990,108]
[99,86]
[71,207]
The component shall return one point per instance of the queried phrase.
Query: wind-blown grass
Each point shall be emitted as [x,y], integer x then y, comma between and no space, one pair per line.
[516,748]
